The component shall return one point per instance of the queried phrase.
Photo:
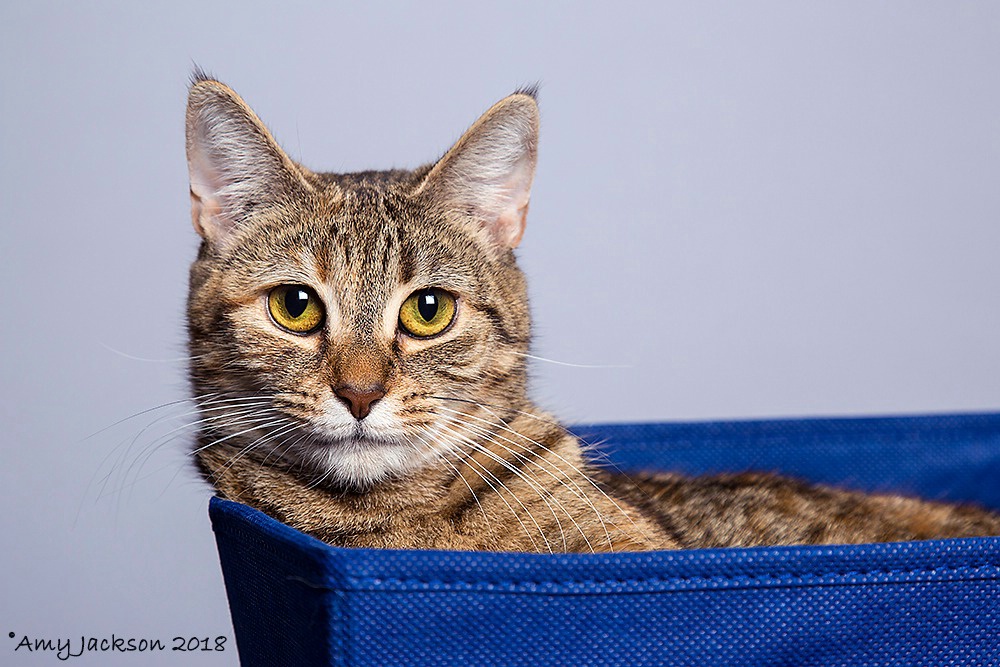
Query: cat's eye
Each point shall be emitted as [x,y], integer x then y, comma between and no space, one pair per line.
[295,308]
[427,312]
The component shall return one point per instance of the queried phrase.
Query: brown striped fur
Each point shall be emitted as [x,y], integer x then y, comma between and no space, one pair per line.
[454,456]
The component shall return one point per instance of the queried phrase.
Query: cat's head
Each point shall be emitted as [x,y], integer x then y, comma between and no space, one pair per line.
[340,322]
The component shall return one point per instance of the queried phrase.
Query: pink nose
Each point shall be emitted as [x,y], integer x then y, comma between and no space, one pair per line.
[359,401]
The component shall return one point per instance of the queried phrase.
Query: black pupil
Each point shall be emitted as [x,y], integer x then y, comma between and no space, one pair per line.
[296,300]
[427,304]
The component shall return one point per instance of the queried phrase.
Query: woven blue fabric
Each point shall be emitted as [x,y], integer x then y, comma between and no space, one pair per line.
[296,601]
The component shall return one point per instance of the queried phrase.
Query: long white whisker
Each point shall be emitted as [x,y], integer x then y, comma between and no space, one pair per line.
[470,461]
[287,447]
[538,488]
[500,424]
[441,457]
[565,363]
[125,452]
[159,361]
[133,416]
[151,449]
[538,462]
[177,472]
[235,435]
[485,406]
[475,445]
[150,474]
[284,425]
[156,421]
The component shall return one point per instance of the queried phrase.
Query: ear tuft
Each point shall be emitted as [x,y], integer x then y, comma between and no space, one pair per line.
[531,90]
[487,174]
[234,163]
[199,74]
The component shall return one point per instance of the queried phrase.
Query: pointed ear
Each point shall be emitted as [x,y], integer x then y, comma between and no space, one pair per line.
[487,174]
[235,165]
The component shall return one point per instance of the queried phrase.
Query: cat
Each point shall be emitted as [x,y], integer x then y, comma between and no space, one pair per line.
[358,348]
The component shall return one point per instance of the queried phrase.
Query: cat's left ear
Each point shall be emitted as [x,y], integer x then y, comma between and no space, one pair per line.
[487,174]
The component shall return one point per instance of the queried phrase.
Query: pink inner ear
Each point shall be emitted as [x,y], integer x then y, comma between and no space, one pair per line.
[207,180]
[208,220]
[512,209]
[509,226]
[196,212]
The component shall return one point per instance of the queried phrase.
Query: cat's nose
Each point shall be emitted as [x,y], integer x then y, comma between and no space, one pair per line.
[359,401]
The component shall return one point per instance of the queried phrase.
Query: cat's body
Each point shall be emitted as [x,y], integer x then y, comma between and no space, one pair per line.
[358,349]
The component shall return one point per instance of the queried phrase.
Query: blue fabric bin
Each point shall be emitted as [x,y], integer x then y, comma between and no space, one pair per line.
[297,601]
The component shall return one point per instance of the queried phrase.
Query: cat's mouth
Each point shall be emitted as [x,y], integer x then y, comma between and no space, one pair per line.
[361,435]
[357,435]
[357,455]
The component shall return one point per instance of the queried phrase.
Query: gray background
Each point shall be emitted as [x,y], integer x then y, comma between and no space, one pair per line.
[744,209]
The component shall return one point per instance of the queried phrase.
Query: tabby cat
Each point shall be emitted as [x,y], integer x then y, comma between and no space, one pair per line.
[358,349]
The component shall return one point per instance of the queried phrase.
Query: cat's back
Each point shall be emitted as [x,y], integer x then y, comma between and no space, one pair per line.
[763,509]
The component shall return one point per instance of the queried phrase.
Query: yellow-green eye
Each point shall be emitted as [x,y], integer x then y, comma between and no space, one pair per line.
[427,312]
[295,308]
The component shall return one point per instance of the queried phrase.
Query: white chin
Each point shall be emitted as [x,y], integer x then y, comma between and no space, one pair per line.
[345,452]
[360,462]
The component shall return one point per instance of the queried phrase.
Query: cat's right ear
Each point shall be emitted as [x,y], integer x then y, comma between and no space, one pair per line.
[235,165]
[487,174]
